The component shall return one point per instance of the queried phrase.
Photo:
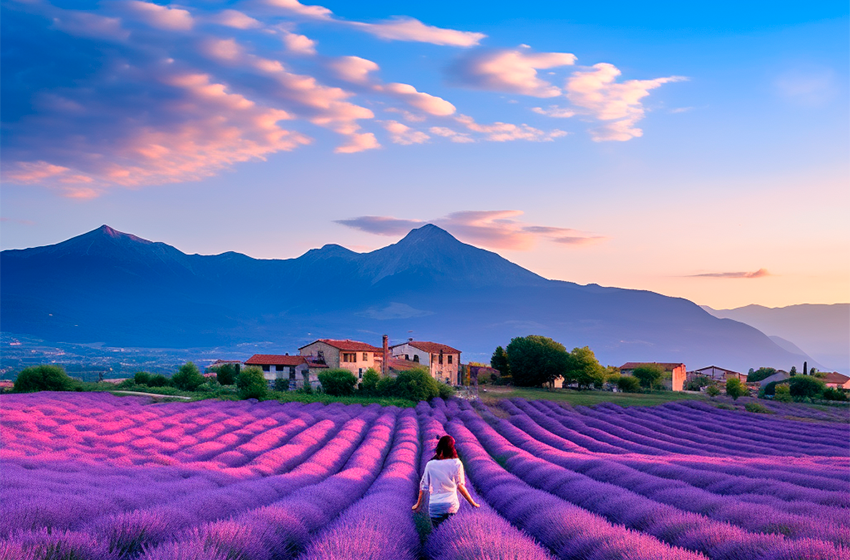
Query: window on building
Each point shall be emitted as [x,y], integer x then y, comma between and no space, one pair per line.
[365,357]
[360,373]
[349,357]
[450,358]
[320,356]
[415,358]
[441,358]
[278,368]
[267,367]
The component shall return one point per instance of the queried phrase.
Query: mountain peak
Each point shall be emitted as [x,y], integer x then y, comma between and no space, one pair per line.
[106,231]
[428,232]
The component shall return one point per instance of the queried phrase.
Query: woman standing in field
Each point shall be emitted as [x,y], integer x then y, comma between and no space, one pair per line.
[443,479]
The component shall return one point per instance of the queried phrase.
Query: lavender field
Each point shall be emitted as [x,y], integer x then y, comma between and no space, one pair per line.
[93,476]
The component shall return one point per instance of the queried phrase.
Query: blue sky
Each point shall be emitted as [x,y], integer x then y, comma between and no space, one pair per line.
[700,151]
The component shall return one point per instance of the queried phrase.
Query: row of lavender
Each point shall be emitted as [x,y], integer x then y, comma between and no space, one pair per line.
[266,481]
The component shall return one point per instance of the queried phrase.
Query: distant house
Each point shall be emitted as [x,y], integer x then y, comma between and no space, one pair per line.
[352,355]
[780,375]
[718,374]
[836,380]
[441,360]
[678,372]
[297,371]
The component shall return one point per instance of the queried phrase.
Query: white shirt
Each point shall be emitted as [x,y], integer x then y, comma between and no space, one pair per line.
[441,479]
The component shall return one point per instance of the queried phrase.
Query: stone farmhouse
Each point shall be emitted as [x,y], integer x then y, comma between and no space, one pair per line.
[718,374]
[441,360]
[296,370]
[352,355]
[837,380]
[678,372]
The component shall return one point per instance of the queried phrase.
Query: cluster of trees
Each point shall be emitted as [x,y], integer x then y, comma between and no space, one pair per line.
[532,361]
[414,385]
[44,378]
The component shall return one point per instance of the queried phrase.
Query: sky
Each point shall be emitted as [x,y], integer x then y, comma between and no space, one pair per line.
[696,151]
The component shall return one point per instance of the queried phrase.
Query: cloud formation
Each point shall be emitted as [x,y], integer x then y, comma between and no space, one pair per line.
[760,273]
[403,134]
[510,71]
[498,229]
[618,105]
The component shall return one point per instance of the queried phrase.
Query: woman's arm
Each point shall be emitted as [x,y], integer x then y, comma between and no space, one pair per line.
[465,492]
[418,501]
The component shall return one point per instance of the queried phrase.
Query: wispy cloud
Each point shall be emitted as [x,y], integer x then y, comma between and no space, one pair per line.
[760,273]
[511,71]
[499,229]
[617,105]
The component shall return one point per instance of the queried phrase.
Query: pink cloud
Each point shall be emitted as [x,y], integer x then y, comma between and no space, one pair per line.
[298,44]
[161,17]
[235,19]
[358,142]
[296,7]
[453,135]
[410,29]
[760,273]
[353,68]
[85,24]
[506,132]
[430,104]
[555,112]
[511,71]
[500,229]
[403,134]
[598,93]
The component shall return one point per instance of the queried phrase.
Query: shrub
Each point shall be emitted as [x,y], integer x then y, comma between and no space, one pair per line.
[757,408]
[628,384]
[250,384]
[771,387]
[141,378]
[43,378]
[446,391]
[806,386]
[338,382]
[649,374]
[760,374]
[735,389]
[697,383]
[188,377]
[712,390]
[370,382]
[158,380]
[415,385]
[782,393]
[535,360]
[385,386]
[832,394]
[226,373]
[281,384]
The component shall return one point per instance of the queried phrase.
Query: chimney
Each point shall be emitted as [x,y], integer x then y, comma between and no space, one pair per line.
[410,339]
[385,365]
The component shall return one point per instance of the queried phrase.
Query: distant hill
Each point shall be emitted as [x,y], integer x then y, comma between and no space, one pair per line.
[115,288]
[823,331]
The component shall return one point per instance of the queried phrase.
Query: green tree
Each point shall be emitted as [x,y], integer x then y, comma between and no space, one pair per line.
[793,371]
[446,391]
[226,373]
[648,374]
[712,390]
[251,384]
[141,378]
[281,384]
[697,383]
[760,374]
[338,382]
[832,394]
[415,385]
[735,388]
[43,378]
[158,380]
[584,368]
[782,393]
[534,360]
[628,384]
[803,386]
[188,377]
[369,385]
[499,361]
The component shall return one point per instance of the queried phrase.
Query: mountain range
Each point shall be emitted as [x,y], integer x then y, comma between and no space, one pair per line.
[120,290]
[822,331]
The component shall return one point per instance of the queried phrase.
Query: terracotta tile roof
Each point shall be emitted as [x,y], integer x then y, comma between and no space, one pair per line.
[835,377]
[720,368]
[668,366]
[430,347]
[275,360]
[400,364]
[347,345]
